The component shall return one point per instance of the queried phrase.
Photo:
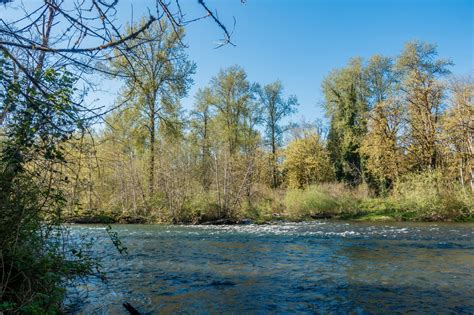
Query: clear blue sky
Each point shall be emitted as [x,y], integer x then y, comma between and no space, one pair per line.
[301,41]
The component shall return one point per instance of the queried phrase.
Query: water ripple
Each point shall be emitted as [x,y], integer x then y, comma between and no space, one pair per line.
[323,266]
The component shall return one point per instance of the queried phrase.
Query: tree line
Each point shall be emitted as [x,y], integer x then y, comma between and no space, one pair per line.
[393,122]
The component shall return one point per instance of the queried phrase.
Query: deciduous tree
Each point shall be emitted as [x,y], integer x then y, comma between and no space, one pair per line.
[275,109]
[165,77]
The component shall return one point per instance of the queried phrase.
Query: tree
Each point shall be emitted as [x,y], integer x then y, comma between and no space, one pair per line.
[307,162]
[46,53]
[276,108]
[380,146]
[423,94]
[165,77]
[381,79]
[201,130]
[235,136]
[346,105]
[88,31]
[232,95]
[384,159]
[458,128]
[121,155]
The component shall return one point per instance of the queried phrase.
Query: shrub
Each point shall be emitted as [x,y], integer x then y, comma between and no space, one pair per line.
[199,207]
[265,205]
[429,197]
[36,257]
[325,199]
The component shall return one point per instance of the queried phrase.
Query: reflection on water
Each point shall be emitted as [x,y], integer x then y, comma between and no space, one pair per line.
[326,266]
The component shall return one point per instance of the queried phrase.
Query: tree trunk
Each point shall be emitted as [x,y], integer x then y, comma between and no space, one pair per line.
[274,162]
[151,163]
[206,181]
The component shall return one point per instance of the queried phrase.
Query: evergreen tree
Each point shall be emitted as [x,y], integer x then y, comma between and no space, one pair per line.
[346,105]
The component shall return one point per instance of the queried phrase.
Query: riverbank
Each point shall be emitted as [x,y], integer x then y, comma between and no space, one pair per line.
[381,214]
[415,202]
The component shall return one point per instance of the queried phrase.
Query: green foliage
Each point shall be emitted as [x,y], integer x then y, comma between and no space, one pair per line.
[320,200]
[269,205]
[153,98]
[380,147]
[346,105]
[389,120]
[458,124]
[276,108]
[232,96]
[307,162]
[424,93]
[116,240]
[432,198]
[308,202]
[35,255]
[417,197]
[201,207]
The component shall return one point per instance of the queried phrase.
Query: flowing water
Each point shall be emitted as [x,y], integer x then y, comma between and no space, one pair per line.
[325,266]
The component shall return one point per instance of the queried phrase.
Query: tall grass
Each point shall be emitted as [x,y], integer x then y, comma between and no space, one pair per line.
[427,196]
[417,197]
[329,199]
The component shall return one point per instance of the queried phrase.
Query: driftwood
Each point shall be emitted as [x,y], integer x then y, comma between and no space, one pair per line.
[130,309]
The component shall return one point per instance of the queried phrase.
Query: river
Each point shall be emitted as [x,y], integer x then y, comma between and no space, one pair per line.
[322,266]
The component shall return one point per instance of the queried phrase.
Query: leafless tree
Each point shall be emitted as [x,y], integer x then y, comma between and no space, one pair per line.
[80,35]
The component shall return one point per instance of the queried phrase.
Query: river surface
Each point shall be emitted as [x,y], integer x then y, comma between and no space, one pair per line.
[317,267]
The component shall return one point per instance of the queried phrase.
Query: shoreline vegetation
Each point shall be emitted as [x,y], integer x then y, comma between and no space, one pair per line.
[327,201]
[397,145]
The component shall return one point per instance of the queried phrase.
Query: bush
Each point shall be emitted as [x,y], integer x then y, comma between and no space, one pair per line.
[199,207]
[426,196]
[36,257]
[267,204]
[321,200]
